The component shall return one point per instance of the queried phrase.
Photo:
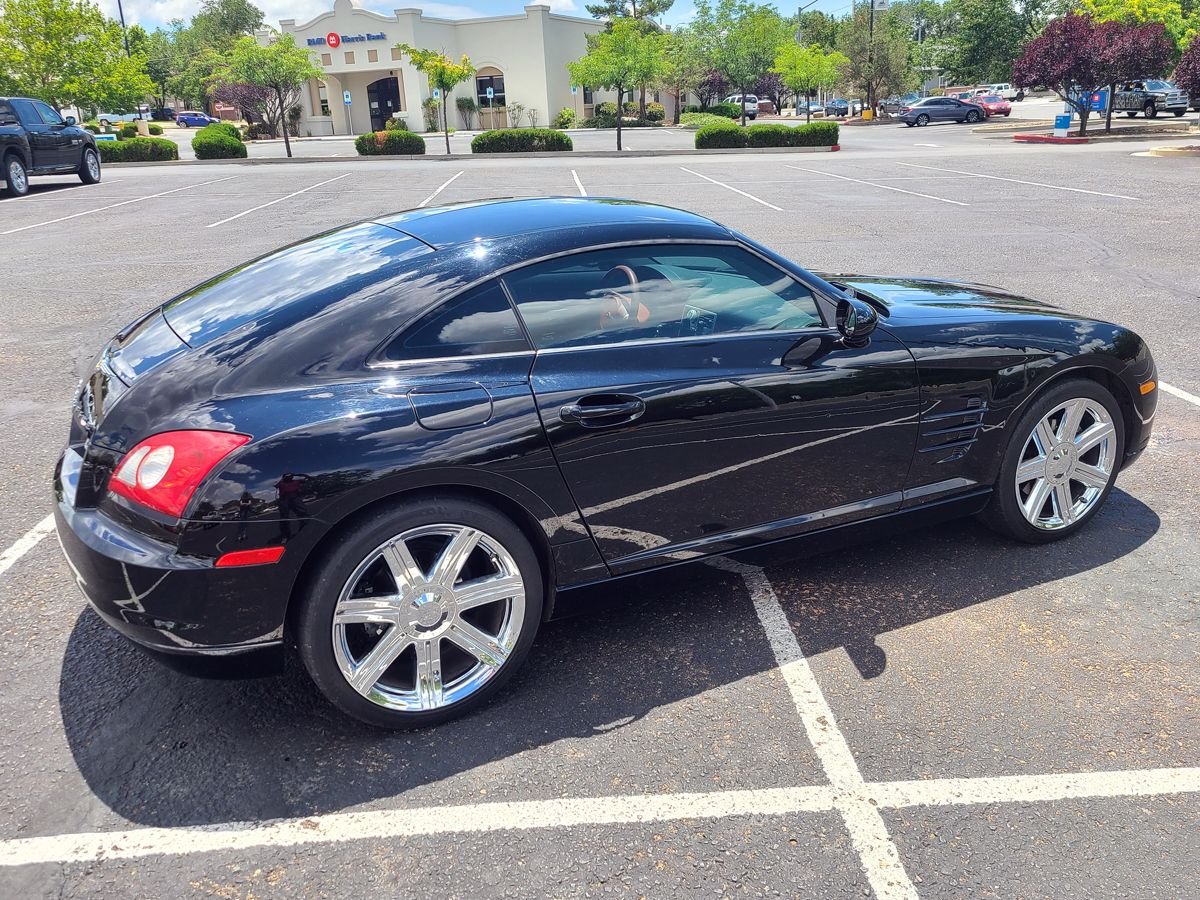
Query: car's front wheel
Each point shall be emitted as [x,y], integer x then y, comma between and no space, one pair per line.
[89,167]
[972,117]
[420,612]
[1151,111]
[16,176]
[1060,463]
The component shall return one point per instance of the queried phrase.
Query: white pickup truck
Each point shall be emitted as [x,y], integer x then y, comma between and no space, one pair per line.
[1005,90]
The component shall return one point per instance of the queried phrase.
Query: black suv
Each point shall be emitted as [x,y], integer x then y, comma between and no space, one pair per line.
[36,140]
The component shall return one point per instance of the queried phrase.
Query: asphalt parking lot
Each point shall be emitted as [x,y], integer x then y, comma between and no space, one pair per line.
[942,714]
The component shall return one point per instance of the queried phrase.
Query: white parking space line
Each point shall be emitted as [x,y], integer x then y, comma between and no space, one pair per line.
[886,187]
[83,190]
[88,212]
[1053,187]
[478,817]
[1180,393]
[880,860]
[449,182]
[578,183]
[730,187]
[279,200]
[25,543]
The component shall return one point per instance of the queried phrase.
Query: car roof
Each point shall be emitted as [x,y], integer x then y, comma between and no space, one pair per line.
[512,219]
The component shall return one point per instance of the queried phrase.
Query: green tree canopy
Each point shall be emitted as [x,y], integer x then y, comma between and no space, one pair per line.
[743,39]
[684,64]
[280,66]
[67,52]
[443,73]
[620,59]
[886,68]
[1181,27]
[805,69]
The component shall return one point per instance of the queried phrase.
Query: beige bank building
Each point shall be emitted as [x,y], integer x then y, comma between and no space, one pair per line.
[520,58]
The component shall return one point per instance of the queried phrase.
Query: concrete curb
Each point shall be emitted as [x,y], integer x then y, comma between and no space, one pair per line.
[1048,139]
[1174,151]
[464,157]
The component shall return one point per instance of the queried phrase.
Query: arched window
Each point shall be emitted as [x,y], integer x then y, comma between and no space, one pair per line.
[489,77]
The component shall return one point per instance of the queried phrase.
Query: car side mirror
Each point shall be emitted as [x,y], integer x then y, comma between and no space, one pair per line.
[856,319]
[70,120]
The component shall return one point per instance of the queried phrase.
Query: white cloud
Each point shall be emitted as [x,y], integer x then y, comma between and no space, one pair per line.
[562,6]
[151,13]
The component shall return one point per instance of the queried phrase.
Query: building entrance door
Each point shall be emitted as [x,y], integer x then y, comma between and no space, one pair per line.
[383,99]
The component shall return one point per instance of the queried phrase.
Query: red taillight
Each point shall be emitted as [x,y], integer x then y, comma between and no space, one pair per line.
[162,472]
[258,557]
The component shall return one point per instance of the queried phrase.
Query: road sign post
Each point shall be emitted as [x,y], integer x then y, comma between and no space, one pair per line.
[346,99]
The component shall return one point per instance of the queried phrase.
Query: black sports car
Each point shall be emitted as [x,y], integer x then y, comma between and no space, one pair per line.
[395,446]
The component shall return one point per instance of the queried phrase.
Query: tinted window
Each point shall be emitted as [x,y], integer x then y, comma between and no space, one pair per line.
[5,109]
[638,293]
[26,113]
[479,321]
[49,115]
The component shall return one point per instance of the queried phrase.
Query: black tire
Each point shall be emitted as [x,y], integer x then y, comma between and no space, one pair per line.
[1003,513]
[909,124]
[1179,113]
[16,176]
[972,117]
[318,598]
[1131,113]
[105,122]
[89,173]
[1150,110]
[922,120]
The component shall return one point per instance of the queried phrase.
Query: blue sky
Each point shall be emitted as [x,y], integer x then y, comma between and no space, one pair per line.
[152,13]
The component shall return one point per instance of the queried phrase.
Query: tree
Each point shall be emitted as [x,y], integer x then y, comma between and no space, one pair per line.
[619,59]
[743,39]
[1187,73]
[199,74]
[1180,27]
[1135,51]
[818,28]
[684,66]
[220,23]
[67,52]
[772,86]
[160,63]
[443,73]
[645,12]
[883,66]
[711,88]
[806,69]
[280,66]
[1071,56]
[985,37]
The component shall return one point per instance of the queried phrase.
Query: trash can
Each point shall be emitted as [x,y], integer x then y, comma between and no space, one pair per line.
[868,115]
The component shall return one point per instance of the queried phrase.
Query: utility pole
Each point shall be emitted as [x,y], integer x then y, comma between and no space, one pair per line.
[870,57]
[124,31]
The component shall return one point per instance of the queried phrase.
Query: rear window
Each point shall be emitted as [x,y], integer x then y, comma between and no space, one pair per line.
[299,280]
[480,321]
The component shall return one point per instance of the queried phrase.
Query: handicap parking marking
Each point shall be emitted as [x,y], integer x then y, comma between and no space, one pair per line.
[278,200]
[1053,187]
[88,212]
[730,187]
[886,187]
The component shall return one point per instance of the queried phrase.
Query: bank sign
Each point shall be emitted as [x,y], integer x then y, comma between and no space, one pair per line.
[335,40]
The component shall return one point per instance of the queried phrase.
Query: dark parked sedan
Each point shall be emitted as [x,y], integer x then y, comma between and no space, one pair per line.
[398,447]
[942,109]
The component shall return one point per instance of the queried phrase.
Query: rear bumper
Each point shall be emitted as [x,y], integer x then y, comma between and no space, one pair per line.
[163,600]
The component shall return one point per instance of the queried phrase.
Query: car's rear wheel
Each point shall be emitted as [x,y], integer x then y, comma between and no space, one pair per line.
[972,117]
[1178,113]
[16,176]
[89,167]
[922,119]
[421,612]
[1060,463]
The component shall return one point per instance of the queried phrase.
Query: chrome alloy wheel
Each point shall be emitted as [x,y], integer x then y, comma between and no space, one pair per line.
[428,617]
[93,164]
[1066,463]
[16,177]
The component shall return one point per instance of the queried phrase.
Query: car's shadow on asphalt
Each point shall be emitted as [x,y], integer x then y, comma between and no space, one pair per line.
[161,748]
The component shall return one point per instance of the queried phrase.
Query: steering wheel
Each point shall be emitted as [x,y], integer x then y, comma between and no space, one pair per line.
[620,304]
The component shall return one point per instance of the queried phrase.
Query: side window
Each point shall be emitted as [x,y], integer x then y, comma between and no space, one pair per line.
[26,113]
[48,114]
[657,292]
[478,321]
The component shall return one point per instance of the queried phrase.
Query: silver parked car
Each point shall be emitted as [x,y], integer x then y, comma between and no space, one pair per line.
[749,103]
[941,109]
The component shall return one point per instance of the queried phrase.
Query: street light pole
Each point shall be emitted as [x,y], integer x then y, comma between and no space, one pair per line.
[124,30]
[871,56]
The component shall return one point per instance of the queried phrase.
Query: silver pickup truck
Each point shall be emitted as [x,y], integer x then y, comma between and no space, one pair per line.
[1150,97]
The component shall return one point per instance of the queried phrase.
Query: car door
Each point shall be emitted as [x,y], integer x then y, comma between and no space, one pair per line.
[43,143]
[697,400]
[66,142]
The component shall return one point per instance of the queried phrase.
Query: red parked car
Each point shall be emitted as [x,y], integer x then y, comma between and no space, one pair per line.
[993,105]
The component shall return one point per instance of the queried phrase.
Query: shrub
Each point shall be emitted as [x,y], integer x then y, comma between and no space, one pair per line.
[432,109]
[565,118]
[258,131]
[516,112]
[814,134]
[155,129]
[394,124]
[467,107]
[389,143]
[728,110]
[520,140]
[93,127]
[699,119]
[769,136]
[218,141]
[607,108]
[128,130]
[655,112]
[692,108]
[138,150]
[630,108]
[724,136]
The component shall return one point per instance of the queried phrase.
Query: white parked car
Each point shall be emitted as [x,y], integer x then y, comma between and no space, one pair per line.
[1003,89]
[749,103]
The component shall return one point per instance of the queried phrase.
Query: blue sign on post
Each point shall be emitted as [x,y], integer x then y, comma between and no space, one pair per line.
[490,93]
[346,97]
[1062,124]
[437,93]
[1099,101]
[574,89]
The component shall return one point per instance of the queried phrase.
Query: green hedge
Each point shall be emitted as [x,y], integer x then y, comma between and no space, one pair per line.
[729,110]
[655,112]
[155,129]
[128,130]
[218,141]
[93,127]
[140,149]
[727,136]
[394,124]
[700,119]
[389,143]
[520,140]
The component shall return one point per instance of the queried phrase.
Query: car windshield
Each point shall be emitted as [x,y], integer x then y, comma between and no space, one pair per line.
[1160,85]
